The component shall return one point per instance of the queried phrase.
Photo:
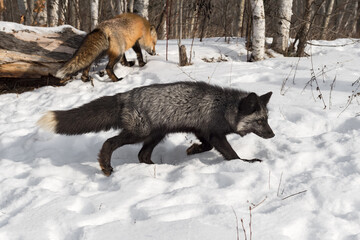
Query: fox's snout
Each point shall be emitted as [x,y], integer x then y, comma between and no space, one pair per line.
[152,52]
[267,135]
[265,132]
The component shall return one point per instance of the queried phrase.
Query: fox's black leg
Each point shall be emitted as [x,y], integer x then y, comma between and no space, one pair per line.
[199,148]
[223,146]
[109,147]
[149,145]
[113,59]
[139,55]
[125,62]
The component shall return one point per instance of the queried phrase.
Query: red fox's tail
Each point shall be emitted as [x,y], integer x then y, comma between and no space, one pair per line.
[100,114]
[93,45]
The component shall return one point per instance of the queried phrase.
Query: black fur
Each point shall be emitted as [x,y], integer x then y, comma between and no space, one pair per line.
[148,114]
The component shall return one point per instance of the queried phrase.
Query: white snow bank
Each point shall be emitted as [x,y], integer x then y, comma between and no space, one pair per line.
[51,186]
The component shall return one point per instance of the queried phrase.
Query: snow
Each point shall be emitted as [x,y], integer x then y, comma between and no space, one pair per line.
[307,187]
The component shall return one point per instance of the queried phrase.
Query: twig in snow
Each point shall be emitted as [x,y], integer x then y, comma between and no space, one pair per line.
[353,95]
[292,195]
[237,224]
[250,223]
[242,223]
[258,204]
[283,90]
[187,74]
[313,79]
[331,89]
[278,191]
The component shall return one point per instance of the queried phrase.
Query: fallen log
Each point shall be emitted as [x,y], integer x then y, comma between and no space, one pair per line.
[35,52]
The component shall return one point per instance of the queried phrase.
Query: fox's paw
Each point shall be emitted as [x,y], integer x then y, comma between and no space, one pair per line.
[142,63]
[197,148]
[130,63]
[147,161]
[193,149]
[101,73]
[64,80]
[86,78]
[107,171]
[252,160]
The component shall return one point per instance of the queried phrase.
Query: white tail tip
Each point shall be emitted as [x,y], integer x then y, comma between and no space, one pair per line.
[48,122]
[60,73]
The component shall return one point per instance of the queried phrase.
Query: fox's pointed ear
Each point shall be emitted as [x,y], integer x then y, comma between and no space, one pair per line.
[266,97]
[249,104]
[153,31]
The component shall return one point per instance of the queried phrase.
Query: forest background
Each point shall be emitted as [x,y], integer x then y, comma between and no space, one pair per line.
[291,23]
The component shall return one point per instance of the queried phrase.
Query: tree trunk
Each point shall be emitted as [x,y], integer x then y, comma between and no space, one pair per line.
[355,20]
[72,14]
[118,9]
[282,26]
[141,7]
[52,13]
[258,33]
[182,48]
[327,18]
[30,54]
[240,18]
[304,30]
[62,12]
[12,12]
[130,6]
[341,17]
[2,10]
[94,11]
[180,21]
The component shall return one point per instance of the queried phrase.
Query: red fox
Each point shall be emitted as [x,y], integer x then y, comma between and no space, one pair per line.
[113,37]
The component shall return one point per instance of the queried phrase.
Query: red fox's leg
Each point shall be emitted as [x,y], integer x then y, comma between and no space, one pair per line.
[139,55]
[85,74]
[113,143]
[113,59]
[125,62]
[199,148]
[149,145]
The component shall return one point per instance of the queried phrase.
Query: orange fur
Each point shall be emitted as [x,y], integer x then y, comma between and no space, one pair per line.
[113,37]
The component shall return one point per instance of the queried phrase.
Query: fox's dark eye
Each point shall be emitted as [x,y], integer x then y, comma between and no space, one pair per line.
[261,121]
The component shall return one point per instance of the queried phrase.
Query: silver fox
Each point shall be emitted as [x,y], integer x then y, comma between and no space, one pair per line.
[147,114]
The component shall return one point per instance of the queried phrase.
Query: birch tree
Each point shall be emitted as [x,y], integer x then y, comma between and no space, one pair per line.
[258,30]
[282,26]
[240,18]
[94,13]
[61,12]
[304,30]
[72,14]
[52,12]
[327,18]
[141,8]
[355,19]
[85,19]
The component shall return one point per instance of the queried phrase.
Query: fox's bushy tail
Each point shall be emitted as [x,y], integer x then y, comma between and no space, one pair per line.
[94,44]
[100,114]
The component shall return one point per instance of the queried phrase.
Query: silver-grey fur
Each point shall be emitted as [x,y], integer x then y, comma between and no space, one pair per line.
[147,114]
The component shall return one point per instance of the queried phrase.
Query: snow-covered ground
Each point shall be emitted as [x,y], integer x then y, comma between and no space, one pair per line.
[307,187]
